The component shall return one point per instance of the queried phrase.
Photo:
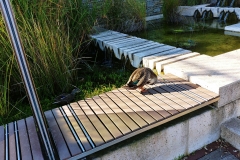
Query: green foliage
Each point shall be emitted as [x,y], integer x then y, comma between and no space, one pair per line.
[54,35]
[170,11]
[124,16]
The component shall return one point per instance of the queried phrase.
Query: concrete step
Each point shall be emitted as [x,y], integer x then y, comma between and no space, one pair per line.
[150,61]
[160,65]
[230,131]
[219,74]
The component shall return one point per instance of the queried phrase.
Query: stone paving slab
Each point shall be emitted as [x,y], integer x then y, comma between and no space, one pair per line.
[219,155]
[219,74]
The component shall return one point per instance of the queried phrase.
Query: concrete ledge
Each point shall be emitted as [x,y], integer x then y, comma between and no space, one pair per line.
[161,64]
[230,131]
[150,61]
[181,138]
[233,28]
[219,74]
[155,17]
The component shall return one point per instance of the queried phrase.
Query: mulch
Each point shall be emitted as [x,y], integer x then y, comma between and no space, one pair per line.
[219,144]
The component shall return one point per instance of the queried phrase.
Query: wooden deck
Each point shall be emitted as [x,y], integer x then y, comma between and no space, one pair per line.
[87,126]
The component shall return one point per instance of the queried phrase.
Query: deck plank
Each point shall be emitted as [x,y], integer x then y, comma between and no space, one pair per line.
[95,136]
[56,133]
[79,132]
[2,142]
[202,92]
[164,107]
[172,97]
[95,121]
[170,90]
[182,89]
[118,111]
[34,140]
[128,98]
[24,140]
[127,109]
[104,34]
[150,101]
[166,100]
[68,136]
[142,103]
[113,116]
[12,142]
[104,118]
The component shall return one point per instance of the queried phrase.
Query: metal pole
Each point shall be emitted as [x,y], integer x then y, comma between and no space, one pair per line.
[26,76]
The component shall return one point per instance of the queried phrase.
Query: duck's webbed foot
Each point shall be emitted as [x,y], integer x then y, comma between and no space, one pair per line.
[142,90]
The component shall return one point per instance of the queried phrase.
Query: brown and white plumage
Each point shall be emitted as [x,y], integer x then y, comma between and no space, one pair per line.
[141,77]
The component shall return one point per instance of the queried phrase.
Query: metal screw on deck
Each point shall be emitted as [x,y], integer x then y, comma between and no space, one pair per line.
[40,121]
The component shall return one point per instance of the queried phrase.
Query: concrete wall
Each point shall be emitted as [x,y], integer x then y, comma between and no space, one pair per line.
[182,138]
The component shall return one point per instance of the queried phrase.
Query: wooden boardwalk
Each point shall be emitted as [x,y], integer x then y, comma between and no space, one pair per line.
[87,126]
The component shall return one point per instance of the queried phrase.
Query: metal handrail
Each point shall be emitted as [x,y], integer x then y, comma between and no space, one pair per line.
[39,118]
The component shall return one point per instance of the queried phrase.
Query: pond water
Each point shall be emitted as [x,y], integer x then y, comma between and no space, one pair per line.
[203,37]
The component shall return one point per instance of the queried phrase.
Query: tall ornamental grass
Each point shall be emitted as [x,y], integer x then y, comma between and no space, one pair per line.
[54,35]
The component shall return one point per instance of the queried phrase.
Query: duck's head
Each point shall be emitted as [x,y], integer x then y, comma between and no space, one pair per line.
[76,90]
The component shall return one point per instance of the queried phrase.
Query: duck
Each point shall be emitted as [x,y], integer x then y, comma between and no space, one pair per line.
[66,98]
[139,78]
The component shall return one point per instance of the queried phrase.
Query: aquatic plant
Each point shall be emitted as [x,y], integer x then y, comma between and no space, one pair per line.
[124,16]
[170,11]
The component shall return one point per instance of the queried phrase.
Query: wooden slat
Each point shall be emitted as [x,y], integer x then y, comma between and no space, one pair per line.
[132,104]
[24,140]
[183,90]
[152,95]
[113,116]
[68,136]
[59,141]
[118,111]
[202,92]
[123,41]
[77,128]
[106,135]
[169,102]
[104,34]
[104,118]
[113,36]
[150,101]
[142,104]
[114,95]
[2,142]
[96,138]
[12,142]
[172,97]
[34,140]
[135,46]
[170,90]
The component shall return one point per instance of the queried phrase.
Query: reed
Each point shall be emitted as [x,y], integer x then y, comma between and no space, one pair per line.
[54,35]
